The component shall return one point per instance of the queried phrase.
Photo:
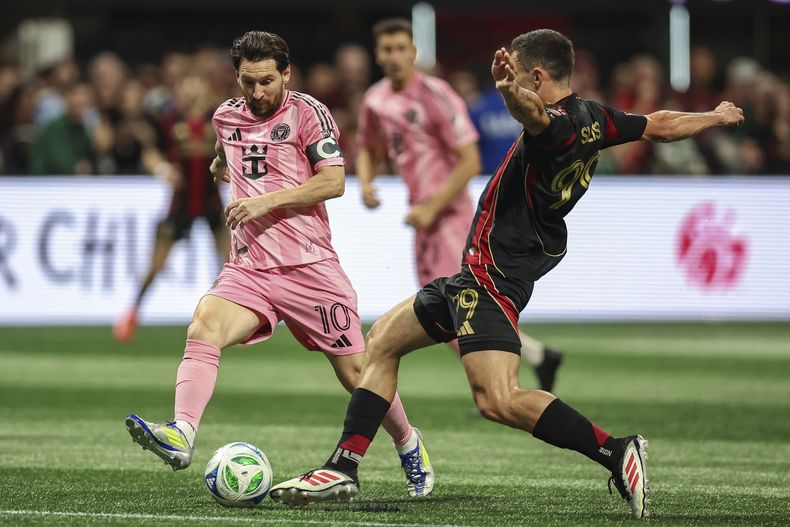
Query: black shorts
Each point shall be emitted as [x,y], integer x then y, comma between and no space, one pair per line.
[178,223]
[177,226]
[473,307]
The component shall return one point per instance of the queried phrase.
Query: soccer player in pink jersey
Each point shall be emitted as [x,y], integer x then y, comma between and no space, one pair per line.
[279,151]
[424,128]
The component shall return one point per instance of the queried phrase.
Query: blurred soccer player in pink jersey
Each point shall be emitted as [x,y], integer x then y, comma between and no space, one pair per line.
[279,151]
[424,128]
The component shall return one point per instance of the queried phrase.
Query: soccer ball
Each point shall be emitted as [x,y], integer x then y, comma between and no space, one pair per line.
[238,475]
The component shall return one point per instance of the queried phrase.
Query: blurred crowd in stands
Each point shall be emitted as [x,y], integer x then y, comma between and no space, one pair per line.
[114,118]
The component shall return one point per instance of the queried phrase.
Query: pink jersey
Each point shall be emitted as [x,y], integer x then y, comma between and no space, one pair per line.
[281,152]
[422,125]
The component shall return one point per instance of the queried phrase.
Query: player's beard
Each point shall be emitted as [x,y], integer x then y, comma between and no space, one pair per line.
[264,111]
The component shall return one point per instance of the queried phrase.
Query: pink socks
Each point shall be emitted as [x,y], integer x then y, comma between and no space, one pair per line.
[197,375]
[396,423]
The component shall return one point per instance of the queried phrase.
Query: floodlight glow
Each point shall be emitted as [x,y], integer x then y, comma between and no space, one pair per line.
[679,48]
[423,21]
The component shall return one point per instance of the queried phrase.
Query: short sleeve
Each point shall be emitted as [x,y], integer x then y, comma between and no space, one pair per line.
[319,136]
[560,132]
[621,127]
[215,123]
[450,116]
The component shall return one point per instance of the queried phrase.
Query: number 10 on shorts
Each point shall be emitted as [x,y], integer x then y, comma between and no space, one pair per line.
[337,315]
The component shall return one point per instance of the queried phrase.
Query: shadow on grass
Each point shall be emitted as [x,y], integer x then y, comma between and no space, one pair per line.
[404,505]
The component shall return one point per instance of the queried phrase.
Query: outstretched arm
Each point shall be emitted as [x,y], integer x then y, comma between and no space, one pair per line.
[525,106]
[666,126]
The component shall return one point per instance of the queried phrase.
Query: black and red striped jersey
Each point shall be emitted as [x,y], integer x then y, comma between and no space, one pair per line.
[519,229]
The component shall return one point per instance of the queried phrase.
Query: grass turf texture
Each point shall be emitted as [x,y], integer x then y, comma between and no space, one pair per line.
[713,400]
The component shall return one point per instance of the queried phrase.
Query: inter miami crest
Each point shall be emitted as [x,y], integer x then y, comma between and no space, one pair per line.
[411,116]
[280,132]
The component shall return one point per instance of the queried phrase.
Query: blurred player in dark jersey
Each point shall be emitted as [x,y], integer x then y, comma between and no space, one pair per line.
[517,236]
[188,143]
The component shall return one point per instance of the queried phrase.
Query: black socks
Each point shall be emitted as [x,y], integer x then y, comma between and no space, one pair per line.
[365,412]
[562,426]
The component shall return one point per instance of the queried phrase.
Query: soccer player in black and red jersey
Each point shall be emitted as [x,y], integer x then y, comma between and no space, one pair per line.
[189,147]
[517,236]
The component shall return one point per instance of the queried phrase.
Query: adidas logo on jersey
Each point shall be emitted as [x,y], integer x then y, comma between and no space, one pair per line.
[235,136]
[342,342]
[236,102]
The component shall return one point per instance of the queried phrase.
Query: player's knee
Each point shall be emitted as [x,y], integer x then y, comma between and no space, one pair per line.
[490,410]
[493,406]
[204,329]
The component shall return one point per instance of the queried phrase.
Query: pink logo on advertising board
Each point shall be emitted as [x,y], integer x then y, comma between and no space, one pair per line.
[709,252]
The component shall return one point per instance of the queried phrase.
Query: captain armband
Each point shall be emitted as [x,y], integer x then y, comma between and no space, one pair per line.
[323,149]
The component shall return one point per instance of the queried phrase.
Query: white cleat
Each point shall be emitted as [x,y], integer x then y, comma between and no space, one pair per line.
[631,478]
[418,469]
[165,440]
[321,484]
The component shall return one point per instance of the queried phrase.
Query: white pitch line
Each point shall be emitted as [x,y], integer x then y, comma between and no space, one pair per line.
[224,519]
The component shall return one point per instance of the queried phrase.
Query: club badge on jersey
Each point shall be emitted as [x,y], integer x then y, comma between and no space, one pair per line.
[280,132]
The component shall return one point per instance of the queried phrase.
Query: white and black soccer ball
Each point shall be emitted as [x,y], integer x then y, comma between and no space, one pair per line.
[238,475]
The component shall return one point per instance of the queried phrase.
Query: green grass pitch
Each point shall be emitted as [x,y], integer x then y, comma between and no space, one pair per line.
[713,399]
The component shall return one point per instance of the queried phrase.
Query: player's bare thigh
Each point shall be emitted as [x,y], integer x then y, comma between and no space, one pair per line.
[493,378]
[396,333]
[221,322]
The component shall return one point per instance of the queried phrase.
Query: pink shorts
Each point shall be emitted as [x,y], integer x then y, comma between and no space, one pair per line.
[316,301]
[437,251]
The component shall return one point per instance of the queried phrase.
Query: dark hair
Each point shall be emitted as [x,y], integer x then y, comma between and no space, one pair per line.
[547,48]
[389,26]
[256,46]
